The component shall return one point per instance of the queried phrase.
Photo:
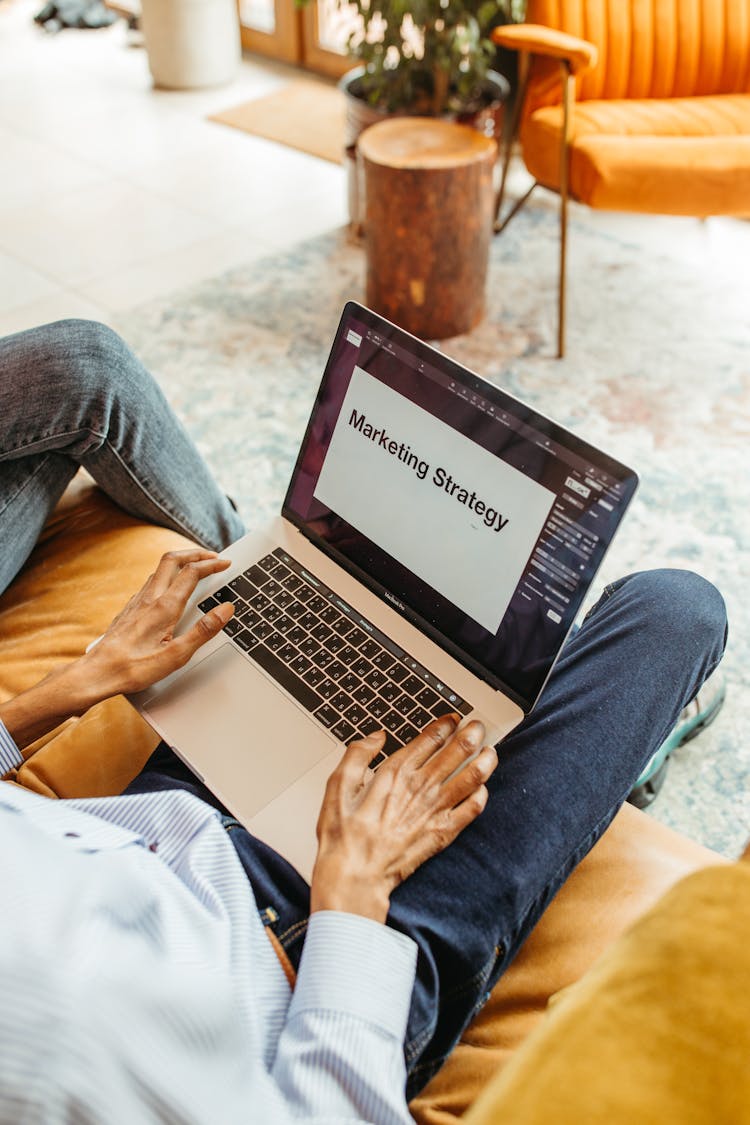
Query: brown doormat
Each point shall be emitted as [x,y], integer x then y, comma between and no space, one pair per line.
[304,115]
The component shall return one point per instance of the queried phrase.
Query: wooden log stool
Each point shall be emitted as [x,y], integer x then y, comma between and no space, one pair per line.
[429,192]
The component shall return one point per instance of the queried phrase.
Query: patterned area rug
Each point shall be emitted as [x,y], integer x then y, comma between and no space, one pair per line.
[658,373]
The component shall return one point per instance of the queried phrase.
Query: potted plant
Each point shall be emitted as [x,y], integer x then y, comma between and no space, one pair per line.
[431,57]
[424,57]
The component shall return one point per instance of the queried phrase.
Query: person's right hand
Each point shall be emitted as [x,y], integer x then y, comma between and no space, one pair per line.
[140,646]
[374,830]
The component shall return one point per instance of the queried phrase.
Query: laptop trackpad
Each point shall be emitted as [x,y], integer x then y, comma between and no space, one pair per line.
[234,726]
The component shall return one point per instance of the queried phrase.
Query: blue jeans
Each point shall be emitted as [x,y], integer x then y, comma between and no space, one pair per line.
[73,394]
[640,656]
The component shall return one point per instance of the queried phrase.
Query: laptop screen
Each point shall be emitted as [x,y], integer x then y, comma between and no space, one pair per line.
[474,516]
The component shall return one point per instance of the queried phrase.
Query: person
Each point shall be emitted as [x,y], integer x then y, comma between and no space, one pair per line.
[164,964]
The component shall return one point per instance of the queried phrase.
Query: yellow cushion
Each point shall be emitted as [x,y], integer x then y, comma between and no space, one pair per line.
[680,156]
[630,868]
[91,557]
[658,1031]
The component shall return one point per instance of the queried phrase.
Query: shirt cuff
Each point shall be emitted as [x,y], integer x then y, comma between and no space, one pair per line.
[10,756]
[356,966]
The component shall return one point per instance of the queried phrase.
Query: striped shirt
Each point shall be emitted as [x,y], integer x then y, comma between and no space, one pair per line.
[138,984]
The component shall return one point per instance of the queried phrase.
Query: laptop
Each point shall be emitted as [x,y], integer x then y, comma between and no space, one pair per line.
[435,544]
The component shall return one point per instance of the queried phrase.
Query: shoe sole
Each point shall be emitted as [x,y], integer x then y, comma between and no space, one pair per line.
[704,720]
[646,793]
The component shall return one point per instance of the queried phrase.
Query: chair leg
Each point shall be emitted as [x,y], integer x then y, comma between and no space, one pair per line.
[563,273]
[568,90]
[510,138]
[500,227]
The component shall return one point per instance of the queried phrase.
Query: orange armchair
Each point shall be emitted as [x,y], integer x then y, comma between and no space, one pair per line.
[633,105]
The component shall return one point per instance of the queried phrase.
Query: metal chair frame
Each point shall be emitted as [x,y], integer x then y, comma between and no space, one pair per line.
[568,99]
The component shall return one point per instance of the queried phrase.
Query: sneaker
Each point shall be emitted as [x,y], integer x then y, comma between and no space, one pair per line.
[693,719]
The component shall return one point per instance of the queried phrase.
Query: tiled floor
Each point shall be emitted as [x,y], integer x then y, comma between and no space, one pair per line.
[112,192]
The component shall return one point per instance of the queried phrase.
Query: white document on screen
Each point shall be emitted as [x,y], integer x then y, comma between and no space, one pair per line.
[441,505]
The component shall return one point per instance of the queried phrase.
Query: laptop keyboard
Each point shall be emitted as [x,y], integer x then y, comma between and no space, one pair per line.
[337,665]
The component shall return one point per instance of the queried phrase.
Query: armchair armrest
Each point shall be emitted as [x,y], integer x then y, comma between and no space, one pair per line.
[540,40]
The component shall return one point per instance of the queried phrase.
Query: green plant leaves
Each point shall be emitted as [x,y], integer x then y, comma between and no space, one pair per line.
[426,56]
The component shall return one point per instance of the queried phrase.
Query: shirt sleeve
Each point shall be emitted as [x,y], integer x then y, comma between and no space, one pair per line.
[159,995]
[341,1055]
[10,756]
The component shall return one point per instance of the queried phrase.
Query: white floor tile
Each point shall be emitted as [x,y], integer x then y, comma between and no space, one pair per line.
[284,227]
[56,306]
[91,95]
[116,131]
[169,272]
[33,60]
[246,178]
[19,283]
[32,171]
[98,230]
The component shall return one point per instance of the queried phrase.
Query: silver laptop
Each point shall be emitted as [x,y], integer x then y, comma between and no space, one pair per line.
[435,544]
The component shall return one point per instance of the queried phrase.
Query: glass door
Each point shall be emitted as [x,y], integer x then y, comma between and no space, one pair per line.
[271,27]
[313,37]
[327,26]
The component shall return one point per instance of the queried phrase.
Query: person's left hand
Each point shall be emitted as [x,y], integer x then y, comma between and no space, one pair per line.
[139,647]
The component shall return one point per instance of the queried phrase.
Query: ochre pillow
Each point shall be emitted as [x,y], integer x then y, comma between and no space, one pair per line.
[635,862]
[658,1031]
[90,559]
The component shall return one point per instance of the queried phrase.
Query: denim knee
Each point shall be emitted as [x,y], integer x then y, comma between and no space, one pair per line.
[687,608]
[97,363]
